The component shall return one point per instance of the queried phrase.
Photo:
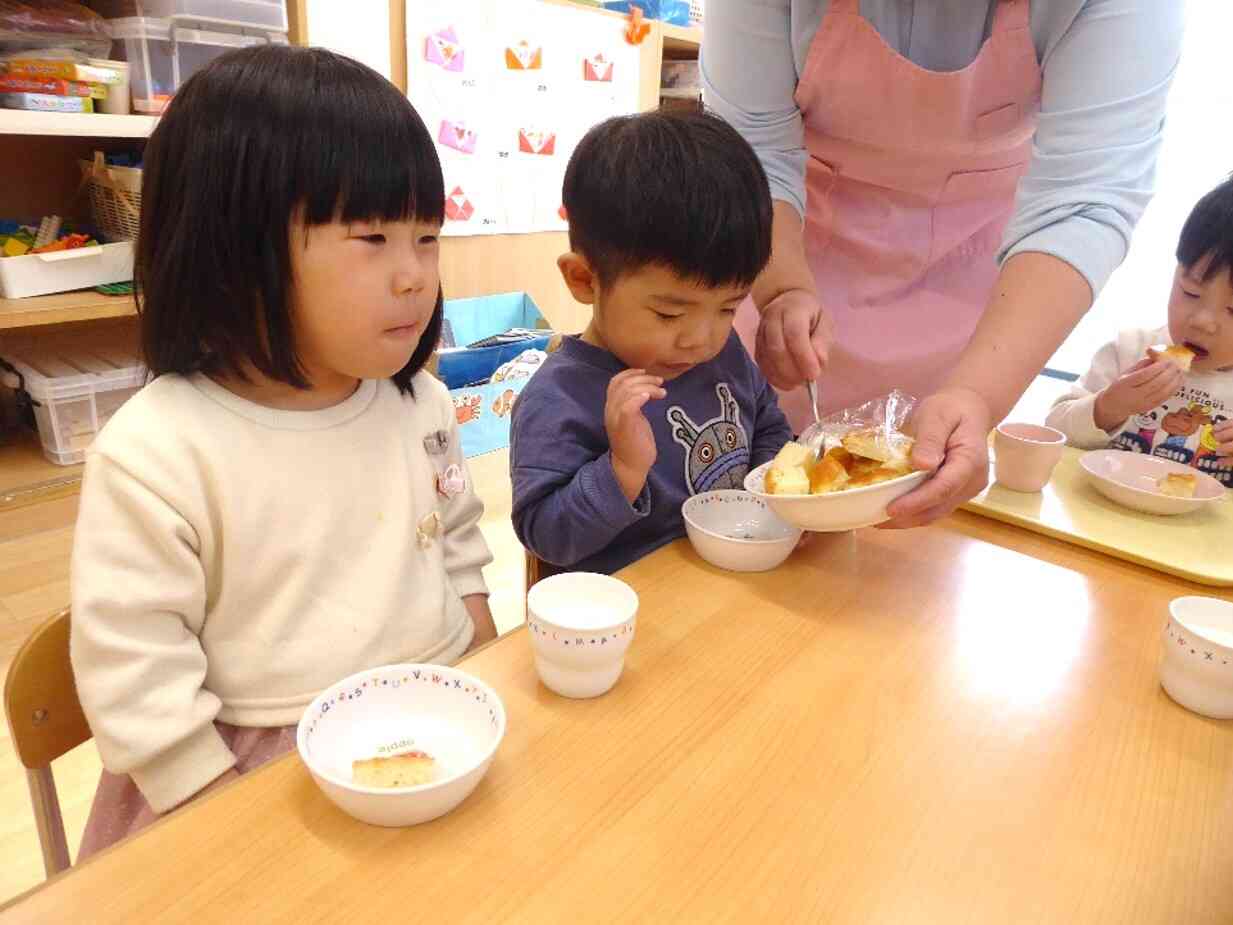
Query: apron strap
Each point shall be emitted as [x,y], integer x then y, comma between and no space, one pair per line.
[1011,15]
[845,7]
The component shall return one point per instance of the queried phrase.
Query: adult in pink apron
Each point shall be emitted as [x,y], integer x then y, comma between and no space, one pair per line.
[907,199]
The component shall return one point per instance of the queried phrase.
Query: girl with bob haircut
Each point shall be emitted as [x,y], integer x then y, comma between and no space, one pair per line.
[286,503]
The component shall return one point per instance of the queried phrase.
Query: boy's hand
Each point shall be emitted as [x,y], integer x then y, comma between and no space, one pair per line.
[1143,387]
[629,432]
[1224,438]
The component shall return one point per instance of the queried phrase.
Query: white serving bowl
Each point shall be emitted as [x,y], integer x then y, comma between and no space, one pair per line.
[1196,668]
[581,625]
[457,719]
[737,531]
[1129,479]
[835,511]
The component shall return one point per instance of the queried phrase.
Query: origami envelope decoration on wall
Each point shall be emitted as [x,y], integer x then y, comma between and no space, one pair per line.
[597,68]
[443,49]
[455,134]
[533,141]
[524,57]
[458,207]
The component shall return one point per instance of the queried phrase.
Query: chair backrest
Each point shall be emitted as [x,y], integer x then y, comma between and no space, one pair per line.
[532,569]
[40,697]
[536,570]
[46,721]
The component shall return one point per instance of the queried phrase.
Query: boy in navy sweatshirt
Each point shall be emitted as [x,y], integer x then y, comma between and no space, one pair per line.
[657,400]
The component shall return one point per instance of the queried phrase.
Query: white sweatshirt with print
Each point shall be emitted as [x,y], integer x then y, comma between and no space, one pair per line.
[1180,429]
[232,560]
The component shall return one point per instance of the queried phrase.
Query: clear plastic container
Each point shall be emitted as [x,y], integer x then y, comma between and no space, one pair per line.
[76,385]
[252,14]
[162,54]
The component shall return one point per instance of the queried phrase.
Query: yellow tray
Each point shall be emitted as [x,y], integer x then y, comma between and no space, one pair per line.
[1197,546]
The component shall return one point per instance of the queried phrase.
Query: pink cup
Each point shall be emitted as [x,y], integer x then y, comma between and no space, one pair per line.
[1026,455]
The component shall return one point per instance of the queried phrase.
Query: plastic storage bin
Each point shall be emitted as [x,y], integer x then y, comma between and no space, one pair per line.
[483,397]
[63,271]
[163,54]
[76,385]
[253,14]
[673,12]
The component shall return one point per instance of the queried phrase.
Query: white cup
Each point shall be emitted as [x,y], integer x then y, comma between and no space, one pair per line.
[581,625]
[1026,455]
[1196,666]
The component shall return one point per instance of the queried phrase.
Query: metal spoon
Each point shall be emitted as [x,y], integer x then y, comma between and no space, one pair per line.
[813,436]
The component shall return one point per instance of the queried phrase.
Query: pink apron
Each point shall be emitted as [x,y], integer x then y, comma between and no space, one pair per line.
[911,180]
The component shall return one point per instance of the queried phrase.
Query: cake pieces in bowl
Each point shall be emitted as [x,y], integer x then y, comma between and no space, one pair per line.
[846,488]
[863,458]
[410,769]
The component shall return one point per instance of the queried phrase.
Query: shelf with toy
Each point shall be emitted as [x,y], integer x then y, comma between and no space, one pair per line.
[64,307]
[57,255]
[80,125]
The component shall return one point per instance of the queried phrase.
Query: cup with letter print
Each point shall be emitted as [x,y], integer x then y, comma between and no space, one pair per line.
[581,625]
[1196,667]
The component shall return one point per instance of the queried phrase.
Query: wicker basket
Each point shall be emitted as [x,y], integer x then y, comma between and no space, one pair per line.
[115,198]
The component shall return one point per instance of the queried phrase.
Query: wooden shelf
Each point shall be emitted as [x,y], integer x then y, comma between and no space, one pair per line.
[28,477]
[81,125]
[682,41]
[86,305]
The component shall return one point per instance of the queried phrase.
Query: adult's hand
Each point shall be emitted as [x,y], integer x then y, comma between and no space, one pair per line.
[794,338]
[952,432]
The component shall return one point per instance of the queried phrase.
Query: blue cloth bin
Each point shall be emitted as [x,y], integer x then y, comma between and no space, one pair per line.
[674,12]
[482,406]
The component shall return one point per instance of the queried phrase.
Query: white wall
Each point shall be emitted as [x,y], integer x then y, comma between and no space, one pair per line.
[1197,154]
[357,28]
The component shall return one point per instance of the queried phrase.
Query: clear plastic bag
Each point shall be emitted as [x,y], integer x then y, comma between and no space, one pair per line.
[31,25]
[887,415]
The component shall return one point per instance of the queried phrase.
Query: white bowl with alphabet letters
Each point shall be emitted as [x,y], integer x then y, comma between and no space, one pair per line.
[445,713]
[737,531]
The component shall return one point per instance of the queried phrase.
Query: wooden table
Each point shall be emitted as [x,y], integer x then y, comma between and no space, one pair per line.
[961,724]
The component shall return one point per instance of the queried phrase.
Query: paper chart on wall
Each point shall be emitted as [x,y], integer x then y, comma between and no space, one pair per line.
[507,89]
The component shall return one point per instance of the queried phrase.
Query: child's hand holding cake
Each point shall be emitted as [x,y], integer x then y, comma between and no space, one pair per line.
[1143,387]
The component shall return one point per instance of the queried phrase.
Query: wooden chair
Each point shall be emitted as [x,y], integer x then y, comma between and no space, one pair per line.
[537,569]
[45,718]
[534,568]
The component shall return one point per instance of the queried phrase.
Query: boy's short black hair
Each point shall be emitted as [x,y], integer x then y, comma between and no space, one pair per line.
[260,139]
[1208,232]
[681,191]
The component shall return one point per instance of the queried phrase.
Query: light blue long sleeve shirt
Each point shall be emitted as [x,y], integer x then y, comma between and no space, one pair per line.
[1107,68]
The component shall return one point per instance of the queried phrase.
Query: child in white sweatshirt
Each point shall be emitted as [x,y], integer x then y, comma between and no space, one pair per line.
[286,503]
[1176,411]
